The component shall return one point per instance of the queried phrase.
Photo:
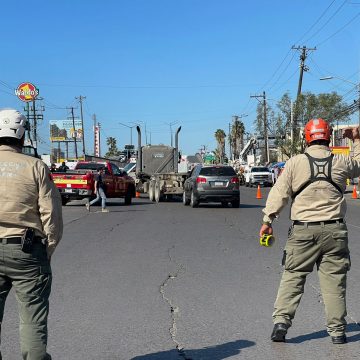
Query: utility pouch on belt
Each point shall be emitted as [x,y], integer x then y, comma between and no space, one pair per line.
[27,240]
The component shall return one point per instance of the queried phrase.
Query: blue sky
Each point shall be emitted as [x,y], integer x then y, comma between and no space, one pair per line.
[156,62]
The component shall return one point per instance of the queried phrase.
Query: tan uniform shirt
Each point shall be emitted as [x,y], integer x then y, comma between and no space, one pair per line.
[28,198]
[319,201]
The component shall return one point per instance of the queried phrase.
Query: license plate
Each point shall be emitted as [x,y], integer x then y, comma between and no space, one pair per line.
[68,190]
[218,183]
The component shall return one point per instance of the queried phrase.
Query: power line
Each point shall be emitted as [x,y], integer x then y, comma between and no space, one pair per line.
[316,21]
[287,66]
[6,85]
[331,17]
[342,28]
[277,69]
[286,81]
[6,92]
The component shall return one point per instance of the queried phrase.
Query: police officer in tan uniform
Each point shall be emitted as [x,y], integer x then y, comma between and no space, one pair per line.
[315,181]
[30,228]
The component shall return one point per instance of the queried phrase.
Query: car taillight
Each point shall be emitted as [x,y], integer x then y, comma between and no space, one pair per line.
[200,180]
[234,180]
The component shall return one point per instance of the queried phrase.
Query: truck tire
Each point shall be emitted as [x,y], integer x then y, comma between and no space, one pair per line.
[185,200]
[194,202]
[152,190]
[157,192]
[64,200]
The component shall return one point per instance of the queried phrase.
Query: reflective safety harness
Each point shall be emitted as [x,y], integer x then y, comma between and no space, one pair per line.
[320,171]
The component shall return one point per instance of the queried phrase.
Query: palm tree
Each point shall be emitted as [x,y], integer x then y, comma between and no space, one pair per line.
[237,137]
[112,148]
[220,139]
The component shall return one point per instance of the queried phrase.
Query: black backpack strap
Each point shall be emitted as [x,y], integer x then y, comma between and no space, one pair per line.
[320,175]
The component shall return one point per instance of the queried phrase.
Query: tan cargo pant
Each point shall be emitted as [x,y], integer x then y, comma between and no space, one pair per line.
[325,245]
[30,275]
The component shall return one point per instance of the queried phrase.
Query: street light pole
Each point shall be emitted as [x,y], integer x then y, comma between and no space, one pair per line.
[130,127]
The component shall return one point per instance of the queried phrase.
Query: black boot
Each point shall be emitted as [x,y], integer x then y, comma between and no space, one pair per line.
[279,332]
[339,339]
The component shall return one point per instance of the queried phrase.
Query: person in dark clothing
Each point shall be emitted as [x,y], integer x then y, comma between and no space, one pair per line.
[99,191]
[53,168]
[63,167]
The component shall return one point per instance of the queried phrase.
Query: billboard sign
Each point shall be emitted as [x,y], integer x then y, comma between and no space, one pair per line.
[27,92]
[64,130]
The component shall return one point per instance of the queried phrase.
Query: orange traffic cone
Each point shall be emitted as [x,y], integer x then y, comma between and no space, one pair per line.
[258,194]
[137,194]
[354,194]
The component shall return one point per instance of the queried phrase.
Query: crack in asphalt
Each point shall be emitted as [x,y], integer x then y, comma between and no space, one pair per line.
[74,220]
[174,309]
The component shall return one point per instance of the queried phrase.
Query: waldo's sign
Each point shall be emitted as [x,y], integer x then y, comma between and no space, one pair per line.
[26,92]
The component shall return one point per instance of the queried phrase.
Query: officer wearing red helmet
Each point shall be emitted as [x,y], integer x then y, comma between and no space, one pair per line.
[315,182]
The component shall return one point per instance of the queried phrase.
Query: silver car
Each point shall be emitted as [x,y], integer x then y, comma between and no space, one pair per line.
[212,183]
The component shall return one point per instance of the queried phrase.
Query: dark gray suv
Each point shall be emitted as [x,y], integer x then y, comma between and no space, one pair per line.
[212,183]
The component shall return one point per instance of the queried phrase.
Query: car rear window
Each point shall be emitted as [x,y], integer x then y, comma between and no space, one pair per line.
[89,166]
[217,171]
[260,169]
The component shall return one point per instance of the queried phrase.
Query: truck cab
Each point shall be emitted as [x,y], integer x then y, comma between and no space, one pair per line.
[79,183]
[258,175]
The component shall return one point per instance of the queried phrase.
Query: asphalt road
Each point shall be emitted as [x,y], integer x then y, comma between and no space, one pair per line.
[168,282]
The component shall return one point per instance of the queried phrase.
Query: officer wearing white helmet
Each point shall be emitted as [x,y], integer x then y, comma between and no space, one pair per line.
[30,228]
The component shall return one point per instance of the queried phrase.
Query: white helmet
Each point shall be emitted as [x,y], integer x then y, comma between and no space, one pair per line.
[12,124]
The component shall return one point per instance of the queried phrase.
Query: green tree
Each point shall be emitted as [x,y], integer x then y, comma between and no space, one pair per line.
[220,139]
[309,106]
[112,148]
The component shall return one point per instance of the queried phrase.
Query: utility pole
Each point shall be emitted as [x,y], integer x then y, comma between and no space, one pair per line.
[230,140]
[99,127]
[304,53]
[266,136]
[81,98]
[94,129]
[202,150]
[33,116]
[74,134]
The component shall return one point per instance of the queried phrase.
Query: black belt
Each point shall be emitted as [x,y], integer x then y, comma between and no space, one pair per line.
[296,222]
[17,240]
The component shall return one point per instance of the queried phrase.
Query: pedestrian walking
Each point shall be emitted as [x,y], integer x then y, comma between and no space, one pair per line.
[315,181]
[99,191]
[30,228]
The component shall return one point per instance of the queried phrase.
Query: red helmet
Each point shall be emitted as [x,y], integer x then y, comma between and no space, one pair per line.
[317,129]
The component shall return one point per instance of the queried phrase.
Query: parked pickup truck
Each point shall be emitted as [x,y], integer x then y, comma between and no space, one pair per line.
[79,183]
